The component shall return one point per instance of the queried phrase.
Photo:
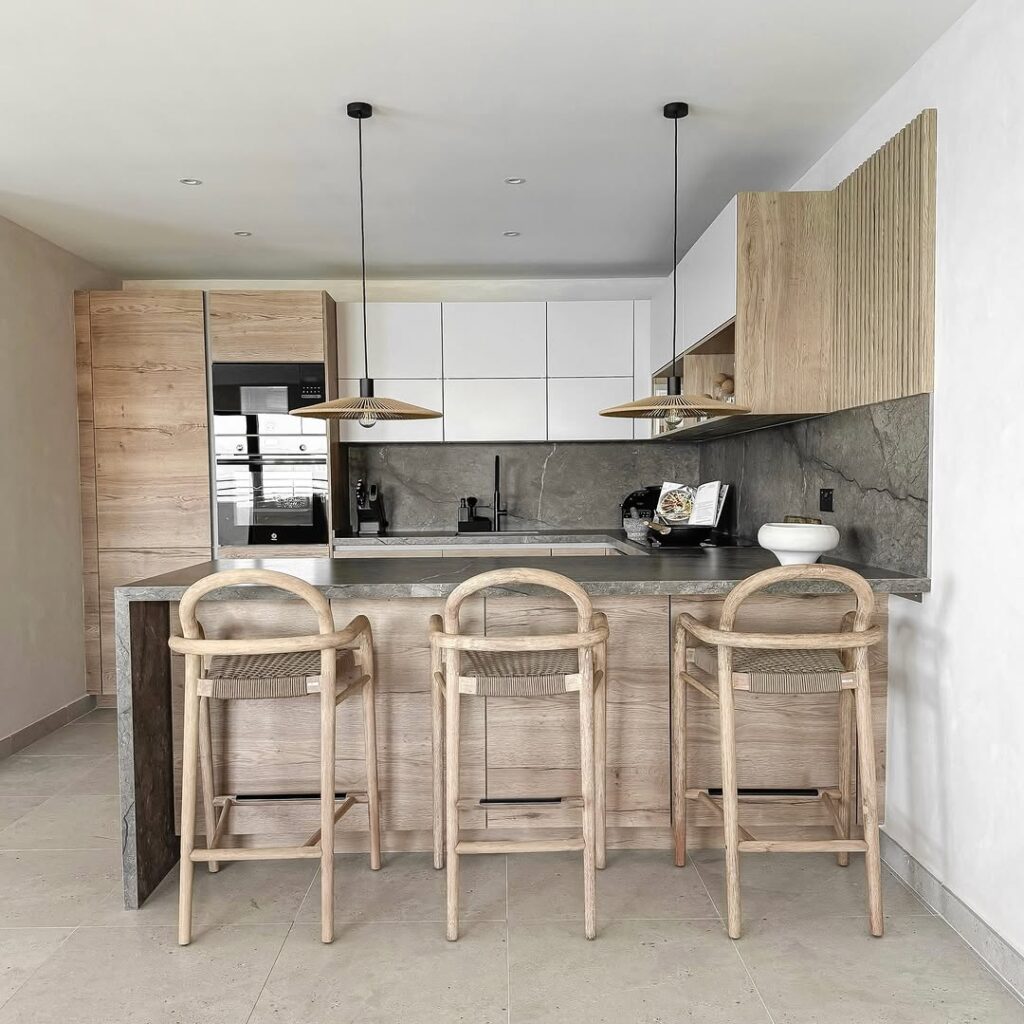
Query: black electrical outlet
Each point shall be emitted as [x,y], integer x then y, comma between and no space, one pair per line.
[825,499]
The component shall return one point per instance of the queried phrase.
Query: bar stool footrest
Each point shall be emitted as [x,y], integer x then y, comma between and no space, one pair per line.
[257,853]
[519,845]
[802,846]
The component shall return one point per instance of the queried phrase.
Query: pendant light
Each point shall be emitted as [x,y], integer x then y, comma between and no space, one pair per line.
[367,408]
[674,406]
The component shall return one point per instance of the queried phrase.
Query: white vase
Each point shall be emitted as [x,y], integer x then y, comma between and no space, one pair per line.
[797,543]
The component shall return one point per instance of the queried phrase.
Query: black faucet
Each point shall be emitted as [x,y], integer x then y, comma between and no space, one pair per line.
[496,500]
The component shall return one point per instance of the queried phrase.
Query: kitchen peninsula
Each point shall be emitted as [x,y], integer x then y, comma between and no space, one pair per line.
[509,758]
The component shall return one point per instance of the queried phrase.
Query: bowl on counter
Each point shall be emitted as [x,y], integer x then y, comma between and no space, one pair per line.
[797,543]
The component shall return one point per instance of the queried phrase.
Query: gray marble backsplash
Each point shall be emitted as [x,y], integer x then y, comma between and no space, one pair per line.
[875,459]
[557,485]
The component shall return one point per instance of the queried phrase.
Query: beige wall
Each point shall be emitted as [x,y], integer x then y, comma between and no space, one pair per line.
[42,664]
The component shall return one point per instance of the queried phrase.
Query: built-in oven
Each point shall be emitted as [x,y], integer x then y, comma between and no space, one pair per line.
[271,468]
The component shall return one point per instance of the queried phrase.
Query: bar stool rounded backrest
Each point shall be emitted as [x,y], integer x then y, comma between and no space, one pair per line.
[861,619]
[252,577]
[512,576]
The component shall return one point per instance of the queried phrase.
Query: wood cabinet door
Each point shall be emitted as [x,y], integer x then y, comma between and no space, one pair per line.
[494,339]
[151,433]
[269,327]
[590,339]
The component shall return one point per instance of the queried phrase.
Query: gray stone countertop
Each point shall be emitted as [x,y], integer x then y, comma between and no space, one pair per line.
[676,572]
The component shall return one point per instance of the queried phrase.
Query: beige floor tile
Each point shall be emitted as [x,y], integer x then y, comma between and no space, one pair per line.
[67,823]
[14,807]
[636,884]
[920,972]
[22,951]
[55,888]
[22,775]
[787,886]
[142,976]
[99,781]
[388,973]
[243,893]
[640,972]
[76,738]
[407,888]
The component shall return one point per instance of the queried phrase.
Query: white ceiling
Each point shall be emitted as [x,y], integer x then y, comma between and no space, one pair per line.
[105,104]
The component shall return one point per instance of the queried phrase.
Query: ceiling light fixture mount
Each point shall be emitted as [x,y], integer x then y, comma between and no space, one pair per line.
[190,181]
[674,406]
[515,181]
[511,234]
[243,234]
[367,409]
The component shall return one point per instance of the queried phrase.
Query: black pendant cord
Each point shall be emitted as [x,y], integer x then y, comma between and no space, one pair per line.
[675,235]
[362,249]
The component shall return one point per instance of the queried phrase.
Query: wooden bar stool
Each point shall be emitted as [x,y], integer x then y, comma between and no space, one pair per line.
[723,660]
[519,666]
[261,669]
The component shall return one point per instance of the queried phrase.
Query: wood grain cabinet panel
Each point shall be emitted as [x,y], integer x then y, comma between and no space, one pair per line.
[152,489]
[785,305]
[270,326]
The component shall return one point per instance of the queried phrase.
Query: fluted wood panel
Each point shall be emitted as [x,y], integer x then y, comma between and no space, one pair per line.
[885,313]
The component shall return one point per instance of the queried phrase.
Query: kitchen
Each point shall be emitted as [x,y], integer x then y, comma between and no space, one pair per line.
[761,410]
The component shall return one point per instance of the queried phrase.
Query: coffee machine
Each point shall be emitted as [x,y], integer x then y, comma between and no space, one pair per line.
[370,517]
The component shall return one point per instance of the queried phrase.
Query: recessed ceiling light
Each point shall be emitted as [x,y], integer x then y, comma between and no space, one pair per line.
[243,234]
[190,181]
[511,234]
[515,181]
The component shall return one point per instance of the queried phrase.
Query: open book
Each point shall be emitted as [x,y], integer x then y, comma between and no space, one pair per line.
[679,504]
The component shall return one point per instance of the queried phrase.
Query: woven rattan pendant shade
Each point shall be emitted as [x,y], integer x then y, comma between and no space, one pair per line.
[674,406]
[657,407]
[367,409]
[357,408]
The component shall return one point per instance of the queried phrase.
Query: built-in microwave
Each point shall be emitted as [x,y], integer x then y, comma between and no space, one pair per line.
[270,467]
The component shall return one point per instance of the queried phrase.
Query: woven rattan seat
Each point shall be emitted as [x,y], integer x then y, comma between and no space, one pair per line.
[520,673]
[767,671]
[266,676]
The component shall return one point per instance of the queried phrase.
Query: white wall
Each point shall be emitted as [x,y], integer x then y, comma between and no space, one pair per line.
[42,658]
[956,742]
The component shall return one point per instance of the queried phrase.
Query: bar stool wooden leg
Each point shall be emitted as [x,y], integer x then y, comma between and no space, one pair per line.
[678,749]
[589,821]
[206,774]
[437,753]
[869,799]
[189,758]
[368,668]
[730,796]
[451,790]
[847,783]
[328,717]
[601,758]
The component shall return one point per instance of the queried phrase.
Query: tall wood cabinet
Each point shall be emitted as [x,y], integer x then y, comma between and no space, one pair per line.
[144,447]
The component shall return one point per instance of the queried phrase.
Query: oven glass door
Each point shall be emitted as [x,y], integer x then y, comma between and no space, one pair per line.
[271,479]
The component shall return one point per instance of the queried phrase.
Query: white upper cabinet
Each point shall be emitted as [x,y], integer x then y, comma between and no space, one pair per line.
[427,393]
[590,339]
[494,339]
[575,404]
[404,340]
[707,280]
[495,410]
